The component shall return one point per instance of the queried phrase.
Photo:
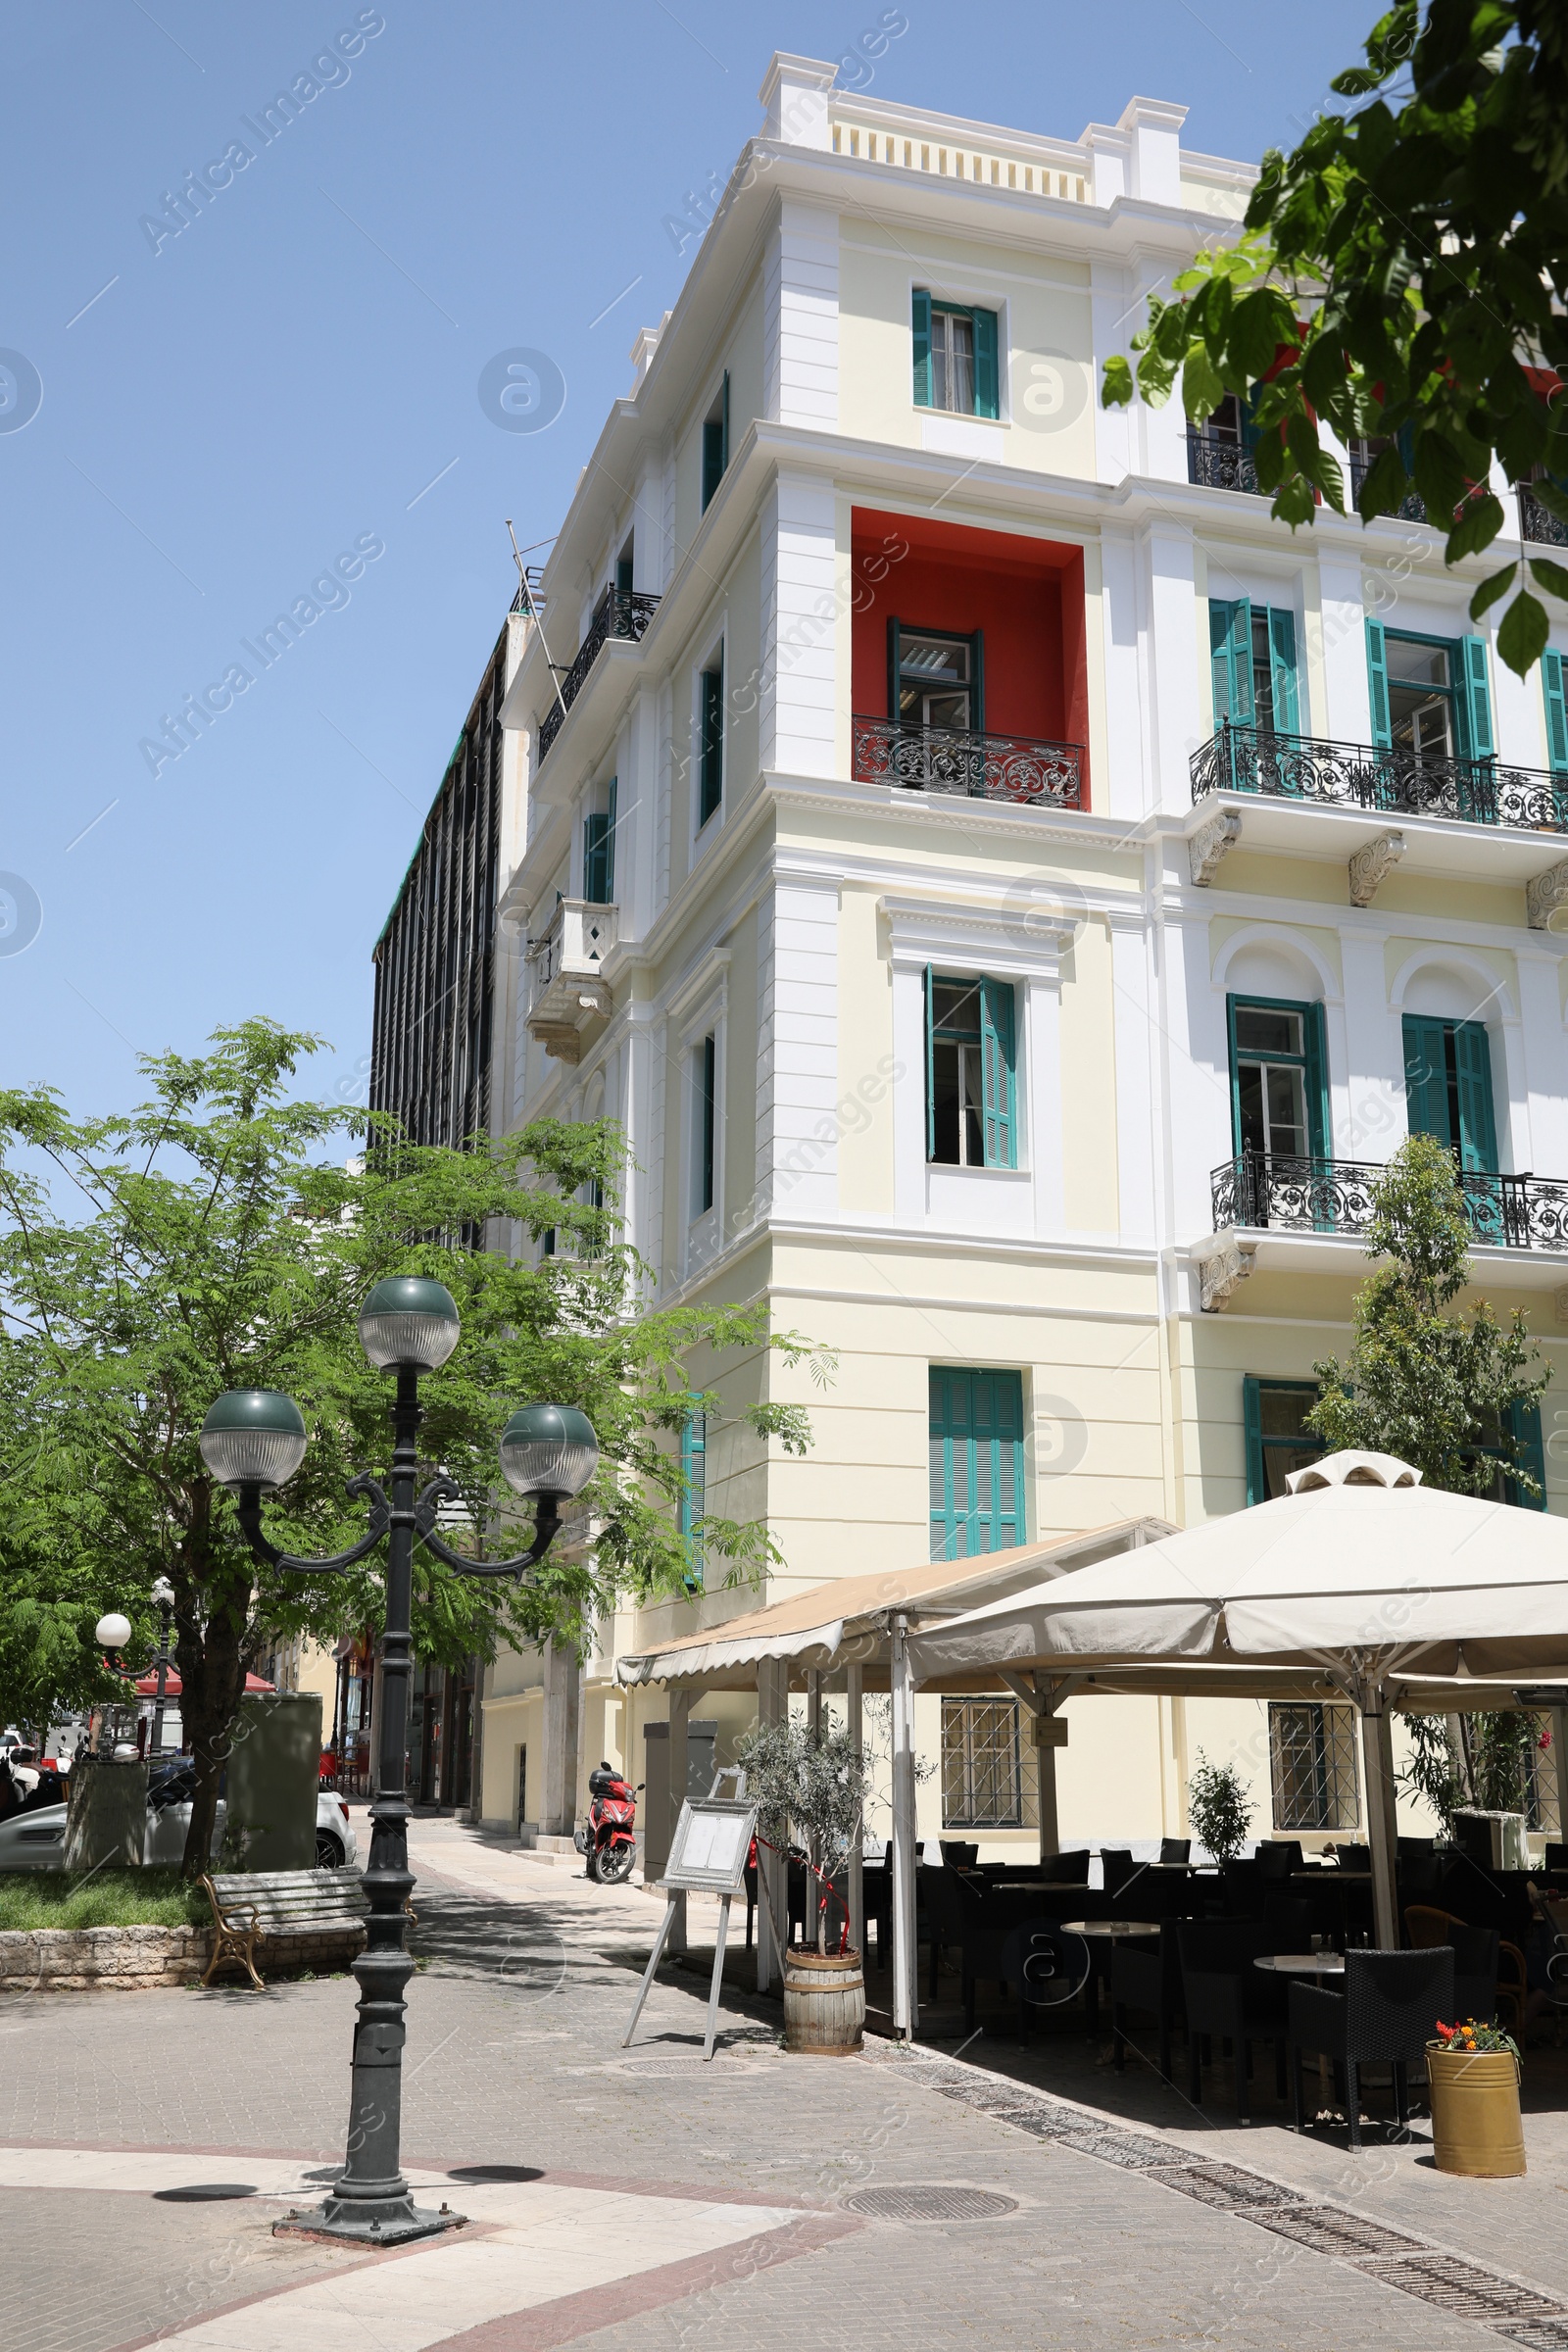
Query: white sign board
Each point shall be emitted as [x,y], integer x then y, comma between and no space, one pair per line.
[711,1845]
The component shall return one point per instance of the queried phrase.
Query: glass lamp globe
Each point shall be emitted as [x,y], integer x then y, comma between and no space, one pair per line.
[409,1321]
[548,1449]
[111,1631]
[254,1437]
[163,1594]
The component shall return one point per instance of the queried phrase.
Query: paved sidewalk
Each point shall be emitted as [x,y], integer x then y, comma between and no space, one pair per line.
[638,2199]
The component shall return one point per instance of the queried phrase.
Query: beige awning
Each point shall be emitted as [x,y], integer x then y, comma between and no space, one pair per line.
[844,1622]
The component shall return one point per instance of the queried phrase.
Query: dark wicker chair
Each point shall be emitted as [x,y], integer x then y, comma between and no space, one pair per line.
[1386,2015]
[1292,1919]
[960,1852]
[1175,1849]
[1117,1867]
[1277,1858]
[1224,1993]
[1042,1965]
[1487,1973]
[1069,1868]
[1148,1978]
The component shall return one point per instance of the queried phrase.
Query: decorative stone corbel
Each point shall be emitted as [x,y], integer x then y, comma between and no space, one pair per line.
[1220,1265]
[1209,845]
[1544,895]
[1560,1303]
[1371,868]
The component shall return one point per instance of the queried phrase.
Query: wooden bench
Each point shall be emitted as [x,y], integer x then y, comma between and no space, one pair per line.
[305,1915]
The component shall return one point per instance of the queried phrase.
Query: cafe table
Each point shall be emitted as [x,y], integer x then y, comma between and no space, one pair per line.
[1108,1931]
[1307,1964]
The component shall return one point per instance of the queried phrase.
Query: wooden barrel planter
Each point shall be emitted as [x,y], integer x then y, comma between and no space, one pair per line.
[1476,2128]
[824,2003]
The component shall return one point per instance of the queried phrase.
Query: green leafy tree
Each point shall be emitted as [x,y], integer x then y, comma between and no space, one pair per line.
[210,1245]
[812,1793]
[1437,1390]
[1430,1385]
[1218,1807]
[1402,271]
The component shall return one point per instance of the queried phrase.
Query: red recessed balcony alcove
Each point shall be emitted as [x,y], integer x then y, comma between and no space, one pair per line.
[1009,613]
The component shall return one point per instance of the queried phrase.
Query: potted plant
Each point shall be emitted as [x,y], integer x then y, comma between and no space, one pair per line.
[811,1795]
[1218,1808]
[1473,2073]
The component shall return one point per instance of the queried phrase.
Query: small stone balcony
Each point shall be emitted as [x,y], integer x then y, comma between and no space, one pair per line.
[569,989]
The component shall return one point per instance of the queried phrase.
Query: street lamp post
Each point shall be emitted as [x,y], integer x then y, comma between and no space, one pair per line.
[164,1597]
[254,1439]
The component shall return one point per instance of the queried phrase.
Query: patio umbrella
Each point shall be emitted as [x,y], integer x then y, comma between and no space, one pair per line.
[1360,1572]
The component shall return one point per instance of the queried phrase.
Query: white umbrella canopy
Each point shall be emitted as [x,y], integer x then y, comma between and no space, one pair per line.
[1359,1562]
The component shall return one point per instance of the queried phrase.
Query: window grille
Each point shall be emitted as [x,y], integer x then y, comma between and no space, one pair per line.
[1312,1759]
[989,1773]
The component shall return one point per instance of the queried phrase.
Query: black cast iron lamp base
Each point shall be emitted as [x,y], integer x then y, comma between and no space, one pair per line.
[254,1439]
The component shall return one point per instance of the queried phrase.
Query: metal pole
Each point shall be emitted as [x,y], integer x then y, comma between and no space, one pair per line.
[855,1718]
[1378,1764]
[162,1677]
[905,1970]
[372,2201]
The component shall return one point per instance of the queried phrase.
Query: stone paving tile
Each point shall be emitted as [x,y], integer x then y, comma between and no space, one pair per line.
[513,2058]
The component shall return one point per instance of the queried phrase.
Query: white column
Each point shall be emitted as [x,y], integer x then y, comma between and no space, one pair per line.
[795,96]
[680,1708]
[855,1721]
[561,1725]
[1348,719]
[1138,1082]
[797,1082]
[1126,789]
[797,706]
[800,317]
[905,1952]
[1043,1099]
[1045,1764]
[1540,1037]
[1170,661]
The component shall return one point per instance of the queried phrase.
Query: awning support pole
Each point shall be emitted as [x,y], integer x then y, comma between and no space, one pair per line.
[906,1956]
[855,1719]
[1377,1761]
[772,1705]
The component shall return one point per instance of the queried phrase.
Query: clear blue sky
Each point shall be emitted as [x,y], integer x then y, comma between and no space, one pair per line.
[285,376]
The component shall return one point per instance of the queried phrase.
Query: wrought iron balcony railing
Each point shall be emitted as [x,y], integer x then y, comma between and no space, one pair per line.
[1392,783]
[981,768]
[1410,510]
[619,613]
[1536,524]
[1271,1191]
[1220,465]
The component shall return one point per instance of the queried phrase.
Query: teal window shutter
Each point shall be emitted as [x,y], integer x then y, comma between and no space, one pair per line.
[1478,1134]
[711,756]
[1476,701]
[930,1065]
[694,1498]
[1282,661]
[1551,679]
[922,348]
[1230,639]
[595,859]
[998,1074]
[1377,679]
[986,385]
[1426,1077]
[610,843]
[1523,1427]
[1319,1114]
[1252,1433]
[976,1463]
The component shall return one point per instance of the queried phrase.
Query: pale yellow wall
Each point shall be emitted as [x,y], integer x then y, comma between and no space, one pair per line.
[1047,348]
[1090,1188]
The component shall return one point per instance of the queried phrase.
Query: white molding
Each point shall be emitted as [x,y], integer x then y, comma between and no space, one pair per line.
[1447,951]
[1273,936]
[983,939]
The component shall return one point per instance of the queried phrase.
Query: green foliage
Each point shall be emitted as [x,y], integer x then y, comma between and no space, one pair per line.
[811,1793]
[1488,1769]
[1432,1386]
[109,1898]
[1218,1807]
[211,1246]
[1400,272]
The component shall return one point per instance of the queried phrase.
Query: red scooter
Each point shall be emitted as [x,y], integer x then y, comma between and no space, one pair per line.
[607,1838]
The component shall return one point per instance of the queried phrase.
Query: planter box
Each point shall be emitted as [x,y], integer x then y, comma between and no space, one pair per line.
[1476,2128]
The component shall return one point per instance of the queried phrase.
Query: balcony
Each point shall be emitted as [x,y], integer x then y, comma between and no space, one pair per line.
[1220,465]
[1535,525]
[1411,510]
[1267,1192]
[1015,769]
[1381,783]
[569,989]
[623,613]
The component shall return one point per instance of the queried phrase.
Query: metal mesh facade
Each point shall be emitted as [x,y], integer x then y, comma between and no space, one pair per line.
[1312,1765]
[434,960]
[989,1778]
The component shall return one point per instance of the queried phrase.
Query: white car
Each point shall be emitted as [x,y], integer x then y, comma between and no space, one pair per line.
[37,1840]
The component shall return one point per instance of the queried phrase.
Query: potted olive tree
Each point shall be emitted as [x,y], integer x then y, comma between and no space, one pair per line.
[1218,1807]
[811,1795]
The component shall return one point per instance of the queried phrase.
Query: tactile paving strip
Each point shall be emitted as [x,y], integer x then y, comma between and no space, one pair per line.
[1463,2289]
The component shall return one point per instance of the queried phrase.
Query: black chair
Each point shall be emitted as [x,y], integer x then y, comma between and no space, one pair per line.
[1149,1977]
[1277,1858]
[1225,1994]
[1488,1974]
[1070,1869]
[1175,1849]
[1289,1919]
[1117,1867]
[1042,1964]
[1556,1857]
[943,1891]
[989,1922]
[1241,1884]
[1355,1857]
[959,1853]
[1386,2015]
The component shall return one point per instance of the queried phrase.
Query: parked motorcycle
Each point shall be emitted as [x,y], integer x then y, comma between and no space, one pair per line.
[607,1840]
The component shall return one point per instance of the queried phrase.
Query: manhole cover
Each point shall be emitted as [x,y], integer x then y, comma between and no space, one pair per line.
[930,2204]
[1463,2288]
[1328,2230]
[679,2062]
[1225,2184]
